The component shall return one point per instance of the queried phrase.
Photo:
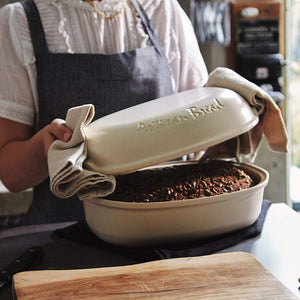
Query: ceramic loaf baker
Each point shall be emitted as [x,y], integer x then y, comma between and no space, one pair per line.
[166,128]
[161,130]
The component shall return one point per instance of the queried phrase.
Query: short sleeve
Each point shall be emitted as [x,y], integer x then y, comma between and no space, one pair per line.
[179,41]
[191,69]
[17,69]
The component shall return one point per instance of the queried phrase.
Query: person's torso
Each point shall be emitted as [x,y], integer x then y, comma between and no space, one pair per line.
[110,82]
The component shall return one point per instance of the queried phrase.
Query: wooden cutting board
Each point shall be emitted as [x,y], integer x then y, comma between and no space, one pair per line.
[235,275]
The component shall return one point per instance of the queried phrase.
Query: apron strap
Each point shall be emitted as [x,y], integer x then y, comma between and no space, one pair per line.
[148,27]
[35,26]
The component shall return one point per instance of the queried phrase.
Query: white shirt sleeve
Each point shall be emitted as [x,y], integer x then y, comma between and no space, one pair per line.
[16,96]
[176,33]
[190,70]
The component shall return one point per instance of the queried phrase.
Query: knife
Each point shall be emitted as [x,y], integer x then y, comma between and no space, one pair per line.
[24,261]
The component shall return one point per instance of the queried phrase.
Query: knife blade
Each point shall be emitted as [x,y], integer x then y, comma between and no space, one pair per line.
[23,262]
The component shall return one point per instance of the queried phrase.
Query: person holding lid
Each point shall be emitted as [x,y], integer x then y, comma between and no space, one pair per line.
[56,54]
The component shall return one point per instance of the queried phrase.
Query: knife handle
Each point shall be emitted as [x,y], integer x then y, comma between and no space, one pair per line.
[21,263]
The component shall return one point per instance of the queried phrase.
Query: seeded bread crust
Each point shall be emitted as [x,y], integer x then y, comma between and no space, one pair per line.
[181,182]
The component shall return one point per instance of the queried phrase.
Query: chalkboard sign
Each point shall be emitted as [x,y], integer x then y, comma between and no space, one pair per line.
[259,36]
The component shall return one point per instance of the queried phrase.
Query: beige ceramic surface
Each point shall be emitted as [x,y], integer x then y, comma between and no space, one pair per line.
[138,224]
[166,128]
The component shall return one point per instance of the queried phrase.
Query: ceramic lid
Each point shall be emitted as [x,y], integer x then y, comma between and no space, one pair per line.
[166,128]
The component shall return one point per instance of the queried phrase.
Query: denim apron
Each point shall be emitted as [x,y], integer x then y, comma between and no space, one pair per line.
[110,82]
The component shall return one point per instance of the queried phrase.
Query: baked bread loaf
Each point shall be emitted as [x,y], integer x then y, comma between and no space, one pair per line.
[181,182]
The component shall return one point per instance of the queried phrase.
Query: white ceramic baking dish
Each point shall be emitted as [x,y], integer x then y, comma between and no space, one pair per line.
[166,128]
[140,224]
[151,133]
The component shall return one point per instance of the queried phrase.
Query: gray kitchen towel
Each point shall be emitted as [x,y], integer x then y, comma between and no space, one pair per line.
[66,161]
[271,123]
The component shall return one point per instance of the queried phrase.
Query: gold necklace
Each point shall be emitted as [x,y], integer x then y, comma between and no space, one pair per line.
[101,14]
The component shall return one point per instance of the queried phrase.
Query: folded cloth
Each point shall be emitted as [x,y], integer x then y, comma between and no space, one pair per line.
[271,123]
[81,233]
[65,161]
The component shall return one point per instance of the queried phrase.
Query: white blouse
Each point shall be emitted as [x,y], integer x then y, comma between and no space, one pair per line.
[73,26]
